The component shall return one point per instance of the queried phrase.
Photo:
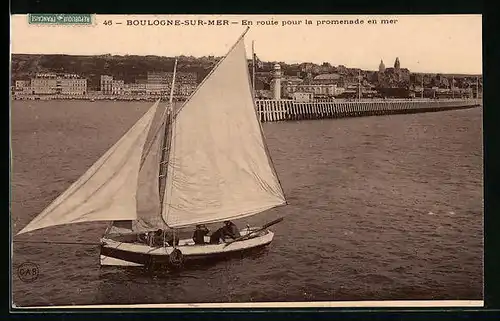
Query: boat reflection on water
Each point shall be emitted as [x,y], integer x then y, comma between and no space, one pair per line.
[215,276]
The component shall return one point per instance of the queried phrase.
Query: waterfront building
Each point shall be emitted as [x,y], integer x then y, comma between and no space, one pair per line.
[157,77]
[286,83]
[302,96]
[159,83]
[188,78]
[106,84]
[135,89]
[22,87]
[64,84]
[328,79]
[44,84]
[181,77]
[316,89]
[22,84]
[184,90]
[157,89]
[71,84]
[117,87]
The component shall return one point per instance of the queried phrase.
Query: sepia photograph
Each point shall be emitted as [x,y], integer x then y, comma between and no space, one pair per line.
[246,161]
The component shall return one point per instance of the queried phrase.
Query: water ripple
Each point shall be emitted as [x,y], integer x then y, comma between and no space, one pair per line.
[380,208]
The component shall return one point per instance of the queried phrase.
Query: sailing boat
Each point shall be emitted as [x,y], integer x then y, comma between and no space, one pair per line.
[206,162]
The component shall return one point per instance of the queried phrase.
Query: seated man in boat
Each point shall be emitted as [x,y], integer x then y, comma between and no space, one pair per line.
[216,236]
[199,234]
[158,239]
[230,230]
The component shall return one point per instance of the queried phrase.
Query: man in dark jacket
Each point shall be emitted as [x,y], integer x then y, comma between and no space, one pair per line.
[199,234]
[230,230]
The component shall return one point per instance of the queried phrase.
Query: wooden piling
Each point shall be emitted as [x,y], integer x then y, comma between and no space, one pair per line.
[279,110]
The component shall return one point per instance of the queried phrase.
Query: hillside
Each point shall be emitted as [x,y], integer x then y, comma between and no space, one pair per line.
[127,67]
[131,67]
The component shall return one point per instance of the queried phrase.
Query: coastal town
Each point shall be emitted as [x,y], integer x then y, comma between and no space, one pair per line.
[299,82]
[72,86]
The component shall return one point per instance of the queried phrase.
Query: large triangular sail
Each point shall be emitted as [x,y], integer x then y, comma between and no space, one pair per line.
[218,163]
[108,190]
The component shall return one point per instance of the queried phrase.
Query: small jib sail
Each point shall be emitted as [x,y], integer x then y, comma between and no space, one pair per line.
[107,191]
[204,163]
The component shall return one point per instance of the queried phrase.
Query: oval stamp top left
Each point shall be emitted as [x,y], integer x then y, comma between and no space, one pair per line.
[60,19]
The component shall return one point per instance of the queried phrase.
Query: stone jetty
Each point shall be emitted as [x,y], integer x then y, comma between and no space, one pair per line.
[281,110]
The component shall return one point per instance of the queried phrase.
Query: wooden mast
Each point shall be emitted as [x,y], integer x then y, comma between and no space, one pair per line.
[164,149]
[253,68]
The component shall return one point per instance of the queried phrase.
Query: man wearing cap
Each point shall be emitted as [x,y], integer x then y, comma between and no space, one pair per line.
[199,234]
[230,230]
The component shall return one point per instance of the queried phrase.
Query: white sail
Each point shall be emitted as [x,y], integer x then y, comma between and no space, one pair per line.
[148,196]
[218,164]
[107,191]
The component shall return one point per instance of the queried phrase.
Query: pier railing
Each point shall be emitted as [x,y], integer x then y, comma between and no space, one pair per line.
[279,110]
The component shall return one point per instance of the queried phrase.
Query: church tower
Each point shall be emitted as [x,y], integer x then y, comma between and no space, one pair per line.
[397,65]
[397,69]
[381,67]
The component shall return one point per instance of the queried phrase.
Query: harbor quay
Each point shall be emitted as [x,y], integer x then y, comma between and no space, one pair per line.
[94,97]
[270,110]
[281,110]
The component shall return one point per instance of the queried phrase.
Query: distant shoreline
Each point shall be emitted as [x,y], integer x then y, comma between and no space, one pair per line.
[154,98]
[94,98]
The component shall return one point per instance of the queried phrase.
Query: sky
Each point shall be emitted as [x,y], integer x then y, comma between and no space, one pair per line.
[431,43]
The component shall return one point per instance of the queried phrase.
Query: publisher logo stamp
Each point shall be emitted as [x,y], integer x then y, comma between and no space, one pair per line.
[59,19]
[28,272]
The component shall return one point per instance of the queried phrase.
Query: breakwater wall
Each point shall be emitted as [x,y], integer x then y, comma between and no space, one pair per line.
[279,110]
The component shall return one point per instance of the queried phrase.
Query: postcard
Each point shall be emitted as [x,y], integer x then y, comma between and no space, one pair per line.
[246,161]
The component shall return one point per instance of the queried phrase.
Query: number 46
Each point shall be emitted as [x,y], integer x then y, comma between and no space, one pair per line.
[108,22]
